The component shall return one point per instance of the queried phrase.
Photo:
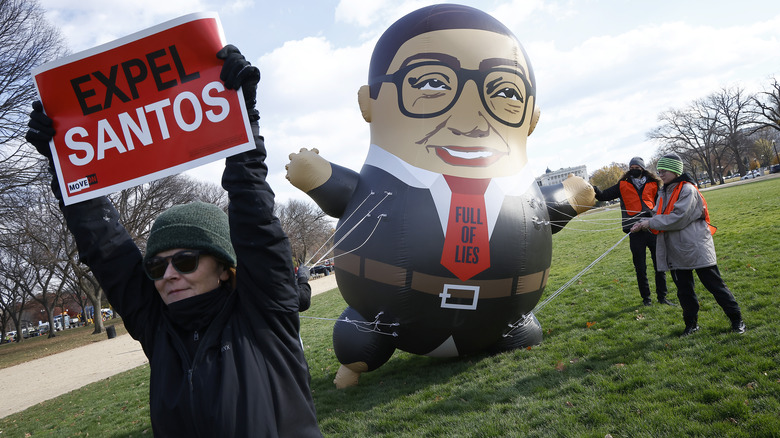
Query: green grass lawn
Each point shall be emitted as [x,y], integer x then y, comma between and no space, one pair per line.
[607,365]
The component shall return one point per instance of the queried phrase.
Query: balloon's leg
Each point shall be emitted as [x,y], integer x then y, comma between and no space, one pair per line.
[527,333]
[357,348]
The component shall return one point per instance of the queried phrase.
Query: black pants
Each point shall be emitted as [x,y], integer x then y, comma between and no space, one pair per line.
[639,243]
[712,281]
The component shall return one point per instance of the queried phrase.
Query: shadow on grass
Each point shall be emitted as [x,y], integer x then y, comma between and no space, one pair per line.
[406,374]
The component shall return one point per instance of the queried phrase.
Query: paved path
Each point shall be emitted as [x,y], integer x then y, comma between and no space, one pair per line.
[33,382]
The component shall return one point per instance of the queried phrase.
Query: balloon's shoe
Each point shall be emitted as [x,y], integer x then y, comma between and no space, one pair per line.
[348,375]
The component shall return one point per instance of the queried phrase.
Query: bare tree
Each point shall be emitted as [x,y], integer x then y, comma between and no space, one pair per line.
[307,227]
[731,107]
[766,109]
[26,41]
[12,296]
[693,133]
[766,106]
[765,142]
[15,276]
[43,246]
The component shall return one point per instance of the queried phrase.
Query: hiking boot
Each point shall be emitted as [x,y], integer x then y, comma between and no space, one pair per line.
[690,329]
[665,301]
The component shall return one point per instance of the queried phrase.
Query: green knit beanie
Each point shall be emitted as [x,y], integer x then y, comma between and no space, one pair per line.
[197,225]
[670,162]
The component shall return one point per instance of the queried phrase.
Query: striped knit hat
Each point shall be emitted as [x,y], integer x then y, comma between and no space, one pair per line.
[671,162]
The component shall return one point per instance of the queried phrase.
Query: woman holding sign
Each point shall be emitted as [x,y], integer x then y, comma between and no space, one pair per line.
[213,302]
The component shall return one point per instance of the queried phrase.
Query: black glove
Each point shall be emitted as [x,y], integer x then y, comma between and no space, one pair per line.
[39,135]
[238,72]
[303,274]
[597,191]
[41,130]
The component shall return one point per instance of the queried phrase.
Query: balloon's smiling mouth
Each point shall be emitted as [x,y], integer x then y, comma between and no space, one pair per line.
[467,156]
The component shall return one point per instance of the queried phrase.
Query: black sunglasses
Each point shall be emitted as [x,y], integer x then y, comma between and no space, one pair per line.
[184,262]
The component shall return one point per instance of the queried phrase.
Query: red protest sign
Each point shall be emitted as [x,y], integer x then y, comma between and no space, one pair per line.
[142,107]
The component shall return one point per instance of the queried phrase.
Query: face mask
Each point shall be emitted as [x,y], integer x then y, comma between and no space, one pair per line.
[635,173]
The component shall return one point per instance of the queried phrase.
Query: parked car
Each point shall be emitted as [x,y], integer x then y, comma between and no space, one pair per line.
[775,169]
[43,327]
[320,270]
[752,174]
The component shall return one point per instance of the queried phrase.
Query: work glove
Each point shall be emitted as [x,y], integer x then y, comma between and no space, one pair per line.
[238,72]
[303,274]
[304,290]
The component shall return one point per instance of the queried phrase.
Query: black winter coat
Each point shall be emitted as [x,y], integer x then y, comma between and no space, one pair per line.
[248,376]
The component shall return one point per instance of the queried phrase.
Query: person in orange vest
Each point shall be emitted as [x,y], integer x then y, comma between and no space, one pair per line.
[685,244]
[637,191]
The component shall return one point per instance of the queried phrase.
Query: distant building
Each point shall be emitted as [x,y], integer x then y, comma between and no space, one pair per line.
[556,177]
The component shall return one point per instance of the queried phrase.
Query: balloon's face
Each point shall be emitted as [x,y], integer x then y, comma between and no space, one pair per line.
[456,102]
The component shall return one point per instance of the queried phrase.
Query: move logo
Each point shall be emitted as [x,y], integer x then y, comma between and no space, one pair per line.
[83,183]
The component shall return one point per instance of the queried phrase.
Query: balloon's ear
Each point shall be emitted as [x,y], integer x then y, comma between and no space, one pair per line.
[534,120]
[364,100]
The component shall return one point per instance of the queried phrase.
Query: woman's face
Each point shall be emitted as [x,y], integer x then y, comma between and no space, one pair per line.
[666,176]
[175,286]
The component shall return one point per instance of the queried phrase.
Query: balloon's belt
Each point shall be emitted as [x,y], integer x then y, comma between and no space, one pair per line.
[400,277]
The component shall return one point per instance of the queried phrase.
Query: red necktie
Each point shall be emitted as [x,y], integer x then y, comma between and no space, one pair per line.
[466,250]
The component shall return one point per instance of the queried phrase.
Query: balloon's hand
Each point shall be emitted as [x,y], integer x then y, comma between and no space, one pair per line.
[579,193]
[307,170]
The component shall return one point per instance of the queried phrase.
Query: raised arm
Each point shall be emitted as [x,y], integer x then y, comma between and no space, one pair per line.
[331,186]
[264,274]
[104,244]
[566,200]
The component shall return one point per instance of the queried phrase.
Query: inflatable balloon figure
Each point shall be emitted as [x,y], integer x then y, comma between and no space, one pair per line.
[444,238]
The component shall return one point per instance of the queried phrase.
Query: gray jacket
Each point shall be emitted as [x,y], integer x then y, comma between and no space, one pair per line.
[686,242]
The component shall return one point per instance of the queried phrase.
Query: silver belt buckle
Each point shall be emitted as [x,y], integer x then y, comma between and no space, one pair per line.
[445,295]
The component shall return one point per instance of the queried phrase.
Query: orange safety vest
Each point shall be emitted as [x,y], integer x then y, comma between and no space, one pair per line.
[673,199]
[631,199]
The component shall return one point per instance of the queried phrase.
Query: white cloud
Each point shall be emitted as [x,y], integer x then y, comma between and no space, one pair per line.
[604,71]
[376,13]
[600,97]
[311,74]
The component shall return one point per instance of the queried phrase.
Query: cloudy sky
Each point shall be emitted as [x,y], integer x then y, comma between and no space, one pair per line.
[605,69]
